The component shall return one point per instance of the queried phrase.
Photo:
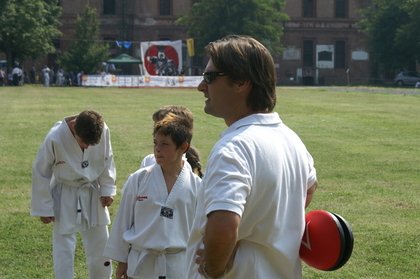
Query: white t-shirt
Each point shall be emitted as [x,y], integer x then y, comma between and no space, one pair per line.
[261,170]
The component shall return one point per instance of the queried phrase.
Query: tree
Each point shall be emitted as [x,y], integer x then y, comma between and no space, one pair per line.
[210,20]
[28,28]
[86,53]
[393,29]
[408,35]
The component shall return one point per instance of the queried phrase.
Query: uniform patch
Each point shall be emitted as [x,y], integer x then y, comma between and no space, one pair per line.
[85,164]
[167,212]
[141,198]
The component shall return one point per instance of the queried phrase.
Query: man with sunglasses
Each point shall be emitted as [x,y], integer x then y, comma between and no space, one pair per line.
[259,177]
[73,183]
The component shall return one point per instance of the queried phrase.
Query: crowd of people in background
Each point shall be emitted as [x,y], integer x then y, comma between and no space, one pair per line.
[45,75]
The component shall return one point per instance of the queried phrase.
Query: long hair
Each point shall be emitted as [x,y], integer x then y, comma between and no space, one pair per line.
[193,158]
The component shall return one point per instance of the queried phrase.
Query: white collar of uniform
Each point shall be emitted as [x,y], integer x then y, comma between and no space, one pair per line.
[271,118]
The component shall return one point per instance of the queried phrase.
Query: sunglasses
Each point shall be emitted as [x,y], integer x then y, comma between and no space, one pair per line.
[209,77]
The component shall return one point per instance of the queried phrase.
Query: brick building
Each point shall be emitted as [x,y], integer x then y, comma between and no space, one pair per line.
[126,20]
[323,43]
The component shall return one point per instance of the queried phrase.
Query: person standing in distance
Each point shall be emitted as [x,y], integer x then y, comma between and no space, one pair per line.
[73,183]
[259,175]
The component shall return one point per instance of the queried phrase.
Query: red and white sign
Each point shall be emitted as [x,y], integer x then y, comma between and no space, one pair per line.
[162,58]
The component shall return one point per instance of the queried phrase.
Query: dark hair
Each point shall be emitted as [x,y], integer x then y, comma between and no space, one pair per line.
[243,58]
[193,158]
[177,110]
[89,126]
[175,126]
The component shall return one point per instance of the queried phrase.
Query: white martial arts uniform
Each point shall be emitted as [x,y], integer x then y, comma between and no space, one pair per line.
[150,160]
[261,170]
[67,183]
[151,229]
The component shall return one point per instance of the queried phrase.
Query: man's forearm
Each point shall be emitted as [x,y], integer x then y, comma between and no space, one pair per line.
[220,241]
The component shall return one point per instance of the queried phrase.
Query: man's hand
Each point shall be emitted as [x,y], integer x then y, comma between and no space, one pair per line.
[121,272]
[106,201]
[220,243]
[201,262]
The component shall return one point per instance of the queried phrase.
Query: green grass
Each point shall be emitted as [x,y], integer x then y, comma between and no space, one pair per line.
[365,142]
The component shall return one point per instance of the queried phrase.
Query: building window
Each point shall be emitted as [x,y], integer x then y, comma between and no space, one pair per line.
[308,53]
[340,55]
[341,10]
[109,7]
[165,8]
[309,8]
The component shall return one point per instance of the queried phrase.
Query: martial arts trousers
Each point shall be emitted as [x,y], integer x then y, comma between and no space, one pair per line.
[64,246]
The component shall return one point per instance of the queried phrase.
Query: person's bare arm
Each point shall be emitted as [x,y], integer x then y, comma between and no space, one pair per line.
[220,239]
[310,194]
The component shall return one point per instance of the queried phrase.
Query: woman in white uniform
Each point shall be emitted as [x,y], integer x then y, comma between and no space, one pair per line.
[150,233]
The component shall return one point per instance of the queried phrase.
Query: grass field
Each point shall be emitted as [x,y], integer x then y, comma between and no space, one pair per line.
[365,142]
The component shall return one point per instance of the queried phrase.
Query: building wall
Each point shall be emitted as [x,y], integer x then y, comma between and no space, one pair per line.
[325,31]
[138,21]
[129,20]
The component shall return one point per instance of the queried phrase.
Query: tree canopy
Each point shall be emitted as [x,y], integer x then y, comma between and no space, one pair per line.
[393,29]
[86,53]
[28,28]
[210,20]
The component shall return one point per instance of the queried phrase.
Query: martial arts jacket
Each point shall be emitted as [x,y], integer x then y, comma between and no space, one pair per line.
[151,229]
[67,183]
